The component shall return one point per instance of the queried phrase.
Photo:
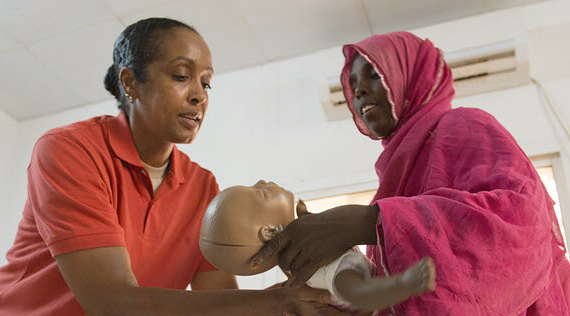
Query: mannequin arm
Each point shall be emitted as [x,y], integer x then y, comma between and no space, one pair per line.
[382,292]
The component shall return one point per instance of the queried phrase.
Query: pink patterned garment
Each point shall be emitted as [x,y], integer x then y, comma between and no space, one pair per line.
[454,185]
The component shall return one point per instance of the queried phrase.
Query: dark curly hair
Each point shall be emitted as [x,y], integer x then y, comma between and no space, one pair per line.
[135,48]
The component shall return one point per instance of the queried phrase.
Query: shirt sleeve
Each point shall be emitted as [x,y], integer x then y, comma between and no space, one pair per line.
[205,265]
[70,201]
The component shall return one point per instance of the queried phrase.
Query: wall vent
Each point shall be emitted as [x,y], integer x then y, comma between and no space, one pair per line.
[488,68]
[333,101]
[482,69]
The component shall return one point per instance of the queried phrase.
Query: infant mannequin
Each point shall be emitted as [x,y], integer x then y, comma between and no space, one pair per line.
[240,219]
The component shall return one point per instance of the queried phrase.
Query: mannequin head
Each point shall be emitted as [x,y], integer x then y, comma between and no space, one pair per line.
[239,220]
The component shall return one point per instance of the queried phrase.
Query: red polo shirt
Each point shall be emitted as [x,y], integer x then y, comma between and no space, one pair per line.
[87,188]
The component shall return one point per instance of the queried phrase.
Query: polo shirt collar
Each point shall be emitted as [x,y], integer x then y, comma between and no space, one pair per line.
[123,145]
[175,167]
[121,140]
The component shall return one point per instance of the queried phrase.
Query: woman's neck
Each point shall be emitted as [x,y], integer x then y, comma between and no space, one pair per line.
[153,153]
[152,150]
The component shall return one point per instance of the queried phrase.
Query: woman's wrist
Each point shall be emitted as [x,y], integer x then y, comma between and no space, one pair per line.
[282,298]
[286,298]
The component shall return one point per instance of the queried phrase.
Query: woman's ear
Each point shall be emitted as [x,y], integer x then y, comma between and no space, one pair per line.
[128,81]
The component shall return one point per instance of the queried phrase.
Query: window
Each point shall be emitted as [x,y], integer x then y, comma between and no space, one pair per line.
[322,204]
[547,176]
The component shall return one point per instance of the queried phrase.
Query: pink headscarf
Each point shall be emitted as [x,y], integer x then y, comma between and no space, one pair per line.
[412,71]
[454,185]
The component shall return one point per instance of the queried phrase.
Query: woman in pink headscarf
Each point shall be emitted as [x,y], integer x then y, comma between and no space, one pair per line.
[454,185]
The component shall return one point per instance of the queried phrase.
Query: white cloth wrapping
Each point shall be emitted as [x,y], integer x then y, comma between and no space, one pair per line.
[353,260]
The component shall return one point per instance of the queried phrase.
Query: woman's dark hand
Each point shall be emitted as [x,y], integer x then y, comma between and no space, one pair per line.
[307,301]
[314,240]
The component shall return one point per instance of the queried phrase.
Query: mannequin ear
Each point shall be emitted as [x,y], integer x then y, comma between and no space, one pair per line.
[302,209]
[267,232]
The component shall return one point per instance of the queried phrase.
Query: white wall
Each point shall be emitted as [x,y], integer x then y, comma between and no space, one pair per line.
[267,122]
[8,217]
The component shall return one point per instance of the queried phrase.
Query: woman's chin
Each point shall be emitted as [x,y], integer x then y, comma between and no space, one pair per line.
[375,131]
[380,130]
[184,138]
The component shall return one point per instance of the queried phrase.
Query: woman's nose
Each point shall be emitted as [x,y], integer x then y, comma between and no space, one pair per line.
[198,94]
[361,90]
[197,98]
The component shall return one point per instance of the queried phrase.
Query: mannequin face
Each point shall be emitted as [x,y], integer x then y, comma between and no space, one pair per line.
[263,200]
[239,220]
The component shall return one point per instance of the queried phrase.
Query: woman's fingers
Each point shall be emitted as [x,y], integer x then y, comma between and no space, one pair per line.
[306,271]
[288,256]
[308,294]
[272,247]
[302,209]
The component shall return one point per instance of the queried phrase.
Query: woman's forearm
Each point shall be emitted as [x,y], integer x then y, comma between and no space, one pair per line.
[360,222]
[103,283]
[148,301]
[369,223]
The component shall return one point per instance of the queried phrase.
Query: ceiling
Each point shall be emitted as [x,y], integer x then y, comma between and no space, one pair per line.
[54,53]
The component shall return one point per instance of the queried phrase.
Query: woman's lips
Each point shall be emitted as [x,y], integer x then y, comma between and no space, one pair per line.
[189,122]
[367,108]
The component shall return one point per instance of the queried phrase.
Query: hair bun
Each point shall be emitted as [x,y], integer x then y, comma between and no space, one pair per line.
[112,82]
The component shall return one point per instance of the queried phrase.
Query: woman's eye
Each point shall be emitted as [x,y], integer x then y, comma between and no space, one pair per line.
[180,77]
[352,85]
[374,75]
[206,85]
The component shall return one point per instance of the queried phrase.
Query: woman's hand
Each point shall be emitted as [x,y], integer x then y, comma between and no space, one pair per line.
[307,301]
[314,240]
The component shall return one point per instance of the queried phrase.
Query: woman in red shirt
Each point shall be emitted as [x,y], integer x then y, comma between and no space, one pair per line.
[112,219]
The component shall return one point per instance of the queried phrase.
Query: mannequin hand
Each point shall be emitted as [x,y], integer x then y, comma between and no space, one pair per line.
[314,240]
